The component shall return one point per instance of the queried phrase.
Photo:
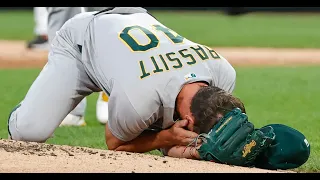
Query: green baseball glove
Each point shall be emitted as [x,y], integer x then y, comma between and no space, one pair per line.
[234,140]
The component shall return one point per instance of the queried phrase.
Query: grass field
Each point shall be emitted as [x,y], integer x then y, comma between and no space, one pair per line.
[213,29]
[271,94]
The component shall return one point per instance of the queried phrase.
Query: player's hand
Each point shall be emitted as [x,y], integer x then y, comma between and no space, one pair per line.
[179,135]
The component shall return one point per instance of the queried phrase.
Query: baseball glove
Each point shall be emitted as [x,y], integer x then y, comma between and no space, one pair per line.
[234,141]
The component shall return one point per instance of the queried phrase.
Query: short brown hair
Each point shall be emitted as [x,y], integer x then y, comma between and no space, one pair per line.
[210,101]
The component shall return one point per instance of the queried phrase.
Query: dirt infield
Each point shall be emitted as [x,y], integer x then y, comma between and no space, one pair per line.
[19,156]
[13,54]
[37,157]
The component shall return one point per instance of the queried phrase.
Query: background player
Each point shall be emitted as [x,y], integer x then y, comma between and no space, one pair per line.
[40,40]
[57,16]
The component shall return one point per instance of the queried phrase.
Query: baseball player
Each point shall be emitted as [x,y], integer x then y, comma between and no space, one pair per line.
[164,89]
[57,16]
[40,40]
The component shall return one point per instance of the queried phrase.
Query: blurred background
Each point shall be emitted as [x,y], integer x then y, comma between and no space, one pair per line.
[273,9]
[287,94]
[232,26]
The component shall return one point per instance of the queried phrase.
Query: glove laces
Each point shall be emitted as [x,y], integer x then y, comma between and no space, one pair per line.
[202,136]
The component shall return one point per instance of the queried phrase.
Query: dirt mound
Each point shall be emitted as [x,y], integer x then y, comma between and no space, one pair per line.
[17,156]
[13,54]
[251,56]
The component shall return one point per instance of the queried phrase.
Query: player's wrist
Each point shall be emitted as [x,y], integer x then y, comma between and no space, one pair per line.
[163,137]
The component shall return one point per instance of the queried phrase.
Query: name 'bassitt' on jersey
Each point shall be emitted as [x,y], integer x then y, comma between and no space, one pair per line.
[141,39]
[139,43]
[143,64]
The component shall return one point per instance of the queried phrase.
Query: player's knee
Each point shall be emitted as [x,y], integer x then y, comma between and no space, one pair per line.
[28,133]
[11,123]
[22,128]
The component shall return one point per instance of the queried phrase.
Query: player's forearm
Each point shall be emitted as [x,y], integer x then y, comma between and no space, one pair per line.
[147,141]
[183,152]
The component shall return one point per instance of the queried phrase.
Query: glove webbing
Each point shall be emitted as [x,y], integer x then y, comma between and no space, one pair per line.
[202,136]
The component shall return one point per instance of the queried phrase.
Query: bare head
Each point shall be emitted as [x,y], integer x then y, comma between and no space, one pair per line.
[204,105]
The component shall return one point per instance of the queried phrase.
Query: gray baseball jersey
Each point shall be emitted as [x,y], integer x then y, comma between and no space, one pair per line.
[138,61]
[57,16]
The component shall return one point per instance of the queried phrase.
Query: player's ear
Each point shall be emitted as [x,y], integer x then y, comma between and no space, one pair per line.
[191,123]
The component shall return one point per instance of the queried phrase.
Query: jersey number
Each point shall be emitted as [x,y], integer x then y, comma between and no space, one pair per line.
[134,45]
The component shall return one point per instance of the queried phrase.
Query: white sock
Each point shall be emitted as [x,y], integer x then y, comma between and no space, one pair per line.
[41,20]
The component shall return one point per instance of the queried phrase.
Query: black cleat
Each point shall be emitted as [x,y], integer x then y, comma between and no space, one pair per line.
[39,42]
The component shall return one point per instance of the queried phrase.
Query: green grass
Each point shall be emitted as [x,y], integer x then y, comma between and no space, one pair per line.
[271,94]
[16,25]
[212,29]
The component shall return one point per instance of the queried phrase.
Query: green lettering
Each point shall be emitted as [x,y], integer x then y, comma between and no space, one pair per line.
[143,70]
[213,53]
[132,42]
[174,59]
[173,36]
[156,66]
[203,54]
[164,62]
[193,61]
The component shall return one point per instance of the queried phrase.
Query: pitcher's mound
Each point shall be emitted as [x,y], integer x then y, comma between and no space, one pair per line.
[17,156]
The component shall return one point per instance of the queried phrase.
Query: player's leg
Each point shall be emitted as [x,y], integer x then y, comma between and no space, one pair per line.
[57,16]
[57,90]
[76,116]
[40,40]
[88,9]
